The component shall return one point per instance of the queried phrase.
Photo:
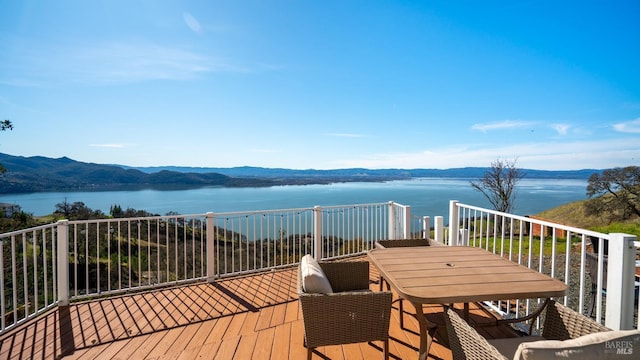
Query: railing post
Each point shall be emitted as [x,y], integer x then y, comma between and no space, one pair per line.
[620,282]
[426,227]
[62,235]
[317,233]
[454,223]
[211,256]
[464,237]
[407,222]
[391,221]
[439,229]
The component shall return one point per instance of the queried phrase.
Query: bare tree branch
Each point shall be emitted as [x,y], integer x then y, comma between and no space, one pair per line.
[498,184]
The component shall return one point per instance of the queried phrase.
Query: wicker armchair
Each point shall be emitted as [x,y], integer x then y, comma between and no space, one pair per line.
[382,244]
[592,268]
[402,243]
[351,314]
[560,323]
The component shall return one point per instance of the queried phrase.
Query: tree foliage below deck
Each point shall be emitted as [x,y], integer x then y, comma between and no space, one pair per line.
[615,193]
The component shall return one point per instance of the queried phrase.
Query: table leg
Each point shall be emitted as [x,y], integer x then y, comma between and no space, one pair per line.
[425,337]
[466,312]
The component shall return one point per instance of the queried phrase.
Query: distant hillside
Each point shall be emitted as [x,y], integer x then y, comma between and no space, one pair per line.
[573,214]
[468,172]
[41,174]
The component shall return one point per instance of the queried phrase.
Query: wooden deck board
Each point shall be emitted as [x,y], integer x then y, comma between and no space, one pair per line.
[255,316]
[296,347]
[227,348]
[264,344]
[201,335]
[282,340]
[246,346]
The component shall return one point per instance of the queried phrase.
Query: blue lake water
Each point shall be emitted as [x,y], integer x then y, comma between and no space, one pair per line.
[426,196]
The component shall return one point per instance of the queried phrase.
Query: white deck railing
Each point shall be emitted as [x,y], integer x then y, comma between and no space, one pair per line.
[28,274]
[559,251]
[72,260]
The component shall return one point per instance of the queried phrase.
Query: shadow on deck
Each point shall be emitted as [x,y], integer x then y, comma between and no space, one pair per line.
[249,317]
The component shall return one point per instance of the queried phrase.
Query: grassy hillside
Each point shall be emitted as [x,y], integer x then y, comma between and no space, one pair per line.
[573,214]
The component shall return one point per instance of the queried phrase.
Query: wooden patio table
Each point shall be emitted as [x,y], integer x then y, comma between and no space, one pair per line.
[457,274]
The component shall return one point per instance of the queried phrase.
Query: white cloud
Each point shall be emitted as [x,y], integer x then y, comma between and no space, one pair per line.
[507,124]
[192,23]
[346,135]
[632,126]
[110,63]
[544,155]
[112,146]
[561,128]
[265,151]
[122,62]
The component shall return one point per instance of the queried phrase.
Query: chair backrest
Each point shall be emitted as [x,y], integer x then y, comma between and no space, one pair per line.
[465,342]
[563,323]
[381,244]
[592,267]
[595,243]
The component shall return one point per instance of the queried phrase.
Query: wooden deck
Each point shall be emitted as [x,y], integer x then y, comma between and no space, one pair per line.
[249,317]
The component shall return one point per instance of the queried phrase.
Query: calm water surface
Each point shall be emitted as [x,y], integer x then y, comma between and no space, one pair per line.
[426,196]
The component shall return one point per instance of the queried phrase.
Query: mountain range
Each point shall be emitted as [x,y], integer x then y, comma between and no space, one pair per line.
[42,174]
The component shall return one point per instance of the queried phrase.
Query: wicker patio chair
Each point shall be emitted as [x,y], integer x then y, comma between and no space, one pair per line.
[402,243]
[592,268]
[381,244]
[560,323]
[351,314]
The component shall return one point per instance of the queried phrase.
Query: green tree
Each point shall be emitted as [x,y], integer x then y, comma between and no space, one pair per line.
[5,125]
[77,211]
[498,184]
[614,193]
[19,220]
[116,211]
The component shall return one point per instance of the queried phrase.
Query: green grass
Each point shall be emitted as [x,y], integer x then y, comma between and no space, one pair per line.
[561,244]
[573,214]
[626,228]
[570,214]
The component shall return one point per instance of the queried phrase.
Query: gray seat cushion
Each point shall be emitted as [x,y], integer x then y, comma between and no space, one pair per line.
[622,344]
[314,280]
[508,346]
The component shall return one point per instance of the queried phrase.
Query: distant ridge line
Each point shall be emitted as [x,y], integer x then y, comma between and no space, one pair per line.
[464,172]
[42,174]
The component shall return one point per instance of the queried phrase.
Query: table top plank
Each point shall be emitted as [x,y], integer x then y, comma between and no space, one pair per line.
[481,267]
[443,275]
[433,278]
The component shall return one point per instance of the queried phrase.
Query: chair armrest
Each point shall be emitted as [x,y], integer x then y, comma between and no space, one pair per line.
[563,323]
[343,318]
[347,275]
[465,342]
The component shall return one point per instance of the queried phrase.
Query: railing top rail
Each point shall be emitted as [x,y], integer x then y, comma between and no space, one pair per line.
[537,221]
[357,205]
[399,205]
[31,229]
[139,218]
[278,211]
[258,212]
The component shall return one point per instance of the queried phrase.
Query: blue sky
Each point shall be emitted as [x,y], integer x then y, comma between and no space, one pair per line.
[323,84]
